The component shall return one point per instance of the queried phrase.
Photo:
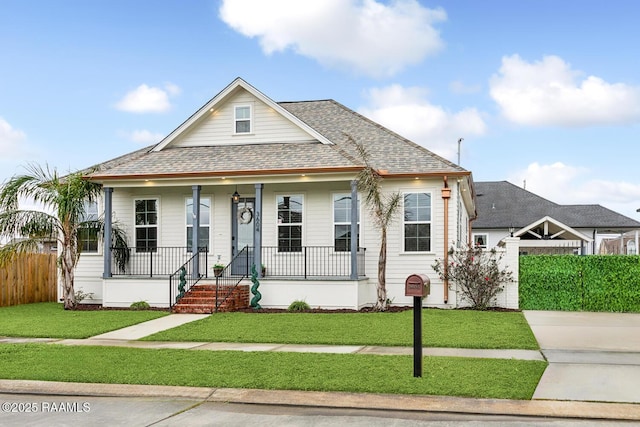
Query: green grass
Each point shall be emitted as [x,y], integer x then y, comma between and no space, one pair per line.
[441,328]
[480,378]
[50,320]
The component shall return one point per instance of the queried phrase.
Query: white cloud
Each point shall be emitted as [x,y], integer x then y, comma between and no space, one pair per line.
[407,112]
[142,136]
[565,185]
[367,36]
[148,99]
[549,92]
[12,141]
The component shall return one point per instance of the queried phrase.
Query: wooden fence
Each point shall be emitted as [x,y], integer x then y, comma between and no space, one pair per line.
[28,278]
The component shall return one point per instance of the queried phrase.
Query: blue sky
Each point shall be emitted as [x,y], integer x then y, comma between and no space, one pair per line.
[546,92]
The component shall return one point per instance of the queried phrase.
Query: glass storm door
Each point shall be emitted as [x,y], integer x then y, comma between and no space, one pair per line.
[242,216]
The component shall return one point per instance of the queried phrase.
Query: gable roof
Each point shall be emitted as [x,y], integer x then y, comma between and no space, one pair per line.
[556,228]
[501,204]
[329,122]
[235,86]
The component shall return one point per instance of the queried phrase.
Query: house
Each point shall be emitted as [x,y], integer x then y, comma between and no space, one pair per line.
[250,182]
[504,209]
[625,244]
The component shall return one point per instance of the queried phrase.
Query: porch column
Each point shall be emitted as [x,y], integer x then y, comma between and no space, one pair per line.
[257,230]
[195,238]
[354,230]
[106,240]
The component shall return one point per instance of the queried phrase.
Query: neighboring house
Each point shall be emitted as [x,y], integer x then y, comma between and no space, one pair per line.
[44,246]
[275,184]
[504,209]
[626,244]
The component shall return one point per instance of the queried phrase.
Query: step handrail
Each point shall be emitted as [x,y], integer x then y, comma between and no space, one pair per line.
[233,281]
[183,279]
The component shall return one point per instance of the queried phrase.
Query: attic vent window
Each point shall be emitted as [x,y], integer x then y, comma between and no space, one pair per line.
[242,119]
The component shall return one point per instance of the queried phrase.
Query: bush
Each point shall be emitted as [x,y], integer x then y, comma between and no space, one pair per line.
[80,295]
[139,305]
[475,274]
[299,305]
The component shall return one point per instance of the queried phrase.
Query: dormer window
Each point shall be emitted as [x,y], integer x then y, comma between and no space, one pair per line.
[242,119]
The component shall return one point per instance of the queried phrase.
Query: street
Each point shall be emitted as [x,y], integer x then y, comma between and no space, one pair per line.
[56,410]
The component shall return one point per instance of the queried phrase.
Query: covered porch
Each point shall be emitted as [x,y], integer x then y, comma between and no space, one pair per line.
[286,263]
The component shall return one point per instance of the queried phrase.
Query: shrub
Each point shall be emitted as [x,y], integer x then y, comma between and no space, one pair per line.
[475,274]
[139,305]
[299,305]
[80,295]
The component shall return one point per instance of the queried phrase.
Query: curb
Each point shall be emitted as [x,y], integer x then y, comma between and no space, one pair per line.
[533,408]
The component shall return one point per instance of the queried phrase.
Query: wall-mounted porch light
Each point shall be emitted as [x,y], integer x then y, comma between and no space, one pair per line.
[235,197]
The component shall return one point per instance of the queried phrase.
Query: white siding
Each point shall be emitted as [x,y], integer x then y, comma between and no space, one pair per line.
[216,128]
[122,292]
[88,277]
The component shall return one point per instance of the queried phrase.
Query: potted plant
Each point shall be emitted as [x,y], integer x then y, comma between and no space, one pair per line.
[217,269]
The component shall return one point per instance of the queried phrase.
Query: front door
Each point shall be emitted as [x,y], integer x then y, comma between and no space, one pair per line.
[242,235]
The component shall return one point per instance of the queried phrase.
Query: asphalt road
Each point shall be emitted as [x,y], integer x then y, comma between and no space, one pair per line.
[55,410]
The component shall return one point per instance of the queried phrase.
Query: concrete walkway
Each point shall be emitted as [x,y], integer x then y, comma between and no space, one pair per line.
[150,327]
[592,356]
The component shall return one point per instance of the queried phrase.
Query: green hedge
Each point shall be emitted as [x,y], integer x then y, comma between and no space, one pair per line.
[580,283]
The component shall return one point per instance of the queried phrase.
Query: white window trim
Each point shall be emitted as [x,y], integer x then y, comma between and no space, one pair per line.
[159,221]
[333,218]
[235,119]
[100,240]
[430,222]
[210,218]
[303,223]
[486,239]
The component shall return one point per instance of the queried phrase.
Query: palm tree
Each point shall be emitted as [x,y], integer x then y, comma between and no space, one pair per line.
[63,199]
[383,209]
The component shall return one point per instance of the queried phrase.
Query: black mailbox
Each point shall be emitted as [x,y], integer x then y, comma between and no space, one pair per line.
[417,285]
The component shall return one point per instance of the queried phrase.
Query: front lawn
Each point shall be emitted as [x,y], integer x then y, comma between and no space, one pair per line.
[441,328]
[449,376]
[50,320]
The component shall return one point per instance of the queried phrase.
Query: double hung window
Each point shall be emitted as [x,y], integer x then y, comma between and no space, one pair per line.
[205,221]
[290,223]
[146,225]
[242,119]
[342,222]
[88,231]
[417,222]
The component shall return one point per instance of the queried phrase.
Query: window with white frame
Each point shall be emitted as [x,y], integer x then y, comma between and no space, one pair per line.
[242,119]
[88,238]
[417,222]
[290,223]
[342,222]
[480,240]
[146,225]
[205,222]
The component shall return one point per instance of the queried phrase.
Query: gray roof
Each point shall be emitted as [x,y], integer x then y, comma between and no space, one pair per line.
[388,150]
[501,204]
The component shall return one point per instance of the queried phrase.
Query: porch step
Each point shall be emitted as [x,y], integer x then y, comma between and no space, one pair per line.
[201,299]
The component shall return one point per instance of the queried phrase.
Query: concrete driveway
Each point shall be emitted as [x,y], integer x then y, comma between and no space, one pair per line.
[592,356]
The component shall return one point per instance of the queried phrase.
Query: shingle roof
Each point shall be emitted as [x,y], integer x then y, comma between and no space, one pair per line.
[501,204]
[388,150]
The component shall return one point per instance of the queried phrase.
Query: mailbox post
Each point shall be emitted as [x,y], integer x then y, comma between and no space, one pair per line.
[418,287]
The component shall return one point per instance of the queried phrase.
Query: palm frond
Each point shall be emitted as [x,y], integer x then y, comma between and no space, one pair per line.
[28,223]
[11,249]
